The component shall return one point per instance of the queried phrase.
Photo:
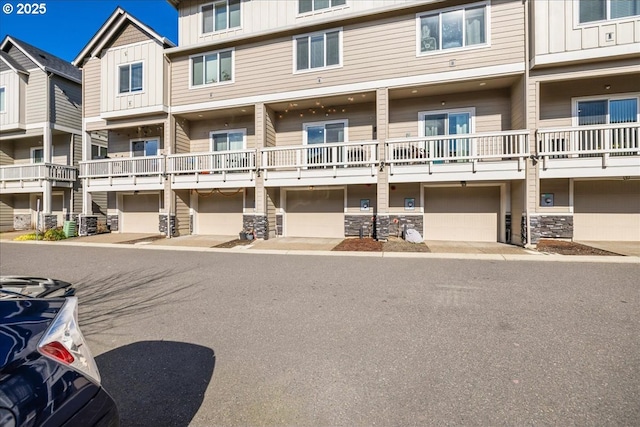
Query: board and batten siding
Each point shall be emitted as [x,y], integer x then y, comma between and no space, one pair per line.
[557,30]
[66,103]
[150,53]
[259,16]
[91,88]
[377,50]
[10,81]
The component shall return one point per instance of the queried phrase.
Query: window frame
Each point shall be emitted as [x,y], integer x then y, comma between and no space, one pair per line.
[308,36]
[218,83]
[130,92]
[3,104]
[604,97]
[213,4]
[100,148]
[322,10]
[145,140]
[242,131]
[470,110]
[324,123]
[32,158]
[487,28]
[607,19]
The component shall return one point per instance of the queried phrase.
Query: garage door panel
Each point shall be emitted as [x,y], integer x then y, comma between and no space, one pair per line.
[315,214]
[220,215]
[462,214]
[140,213]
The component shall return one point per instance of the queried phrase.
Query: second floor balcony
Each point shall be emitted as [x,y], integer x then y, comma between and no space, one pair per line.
[317,164]
[461,157]
[590,151]
[217,169]
[31,177]
[127,173]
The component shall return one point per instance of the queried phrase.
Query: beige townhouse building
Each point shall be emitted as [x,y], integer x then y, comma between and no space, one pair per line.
[466,120]
[40,137]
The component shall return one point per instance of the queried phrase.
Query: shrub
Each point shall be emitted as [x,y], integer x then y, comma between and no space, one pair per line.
[54,234]
[24,237]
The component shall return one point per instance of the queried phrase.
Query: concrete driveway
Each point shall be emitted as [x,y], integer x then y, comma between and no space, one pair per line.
[622,248]
[296,244]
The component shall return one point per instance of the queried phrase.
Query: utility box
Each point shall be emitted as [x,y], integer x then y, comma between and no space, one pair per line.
[69,229]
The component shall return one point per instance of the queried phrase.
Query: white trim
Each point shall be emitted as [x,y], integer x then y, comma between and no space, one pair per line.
[317,33]
[31,155]
[497,70]
[307,125]
[218,83]
[585,54]
[201,32]
[128,113]
[606,21]
[243,131]
[313,12]
[130,64]
[145,140]
[470,110]
[66,129]
[603,97]
[439,12]
[3,108]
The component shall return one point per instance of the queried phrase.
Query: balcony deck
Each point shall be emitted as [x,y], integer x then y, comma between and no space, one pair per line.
[229,169]
[124,174]
[468,157]
[31,178]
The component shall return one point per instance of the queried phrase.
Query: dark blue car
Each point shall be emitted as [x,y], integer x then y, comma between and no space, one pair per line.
[48,376]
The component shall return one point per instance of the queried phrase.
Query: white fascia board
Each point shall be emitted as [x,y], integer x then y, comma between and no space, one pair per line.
[585,55]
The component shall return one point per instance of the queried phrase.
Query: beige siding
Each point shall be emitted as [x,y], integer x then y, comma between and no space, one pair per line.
[61,149]
[399,192]
[6,153]
[492,111]
[120,141]
[66,103]
[517,209]
[21,59]
[91,88]
[22,151]
[394,49]
[182,136]
[183,212]
[357,192]
[151,56]
[77,189]
[518,118]
[128,35]
[6,212]
[559,188]
[10,81]
[36,97]
[270,128]
[200,140]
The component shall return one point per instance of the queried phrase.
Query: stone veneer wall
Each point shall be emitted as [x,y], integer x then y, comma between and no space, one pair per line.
[354,223]
[162,224]
[49,221]
[113,222]
[88,225]
[258,223]
[551,227]
[412,221]
[22,222]
[381,231]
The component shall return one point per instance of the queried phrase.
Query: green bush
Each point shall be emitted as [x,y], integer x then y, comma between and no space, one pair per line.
[30,236]
[54,234]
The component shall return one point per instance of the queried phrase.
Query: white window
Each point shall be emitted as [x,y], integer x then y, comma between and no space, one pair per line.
[98,152]
[323,135]
[3,102]
[601,10]
[212,68]
[228,140]
[448,122]
[130,77]
[600,111]
[220,15]
[313,5]
[37,155]
[453,28]
[144,147]
[318,50]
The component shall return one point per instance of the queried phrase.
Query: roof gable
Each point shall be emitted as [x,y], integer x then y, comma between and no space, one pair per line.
[118,23]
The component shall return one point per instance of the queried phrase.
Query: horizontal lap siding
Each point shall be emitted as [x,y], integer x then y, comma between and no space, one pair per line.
[129,35]
[120,141]
[6,213]
[36,97]
[91,88]
[199,132]
[67,103]
[267,67]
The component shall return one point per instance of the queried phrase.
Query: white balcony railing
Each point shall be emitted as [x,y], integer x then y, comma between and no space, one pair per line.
[320,156]
[497,146]
[589,141]
[212,163]
[38,171]
[123,167]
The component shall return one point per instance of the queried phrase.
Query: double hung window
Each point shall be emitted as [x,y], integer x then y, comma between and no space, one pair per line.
[602,10]
[212,68]
[130,77]
[221,15]
[319,50]
[305,6]
[453,28]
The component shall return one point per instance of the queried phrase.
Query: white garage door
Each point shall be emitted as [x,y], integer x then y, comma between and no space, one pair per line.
[220,214]
[606,210]
[462,213]
[140,213]
[317,213]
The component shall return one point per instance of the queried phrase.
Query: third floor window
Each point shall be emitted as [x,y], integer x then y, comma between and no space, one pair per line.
[212,68]
[2,99]
[220,15]
[318,50]
[602,10]
[453,28]
[313,5]
[130,77]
